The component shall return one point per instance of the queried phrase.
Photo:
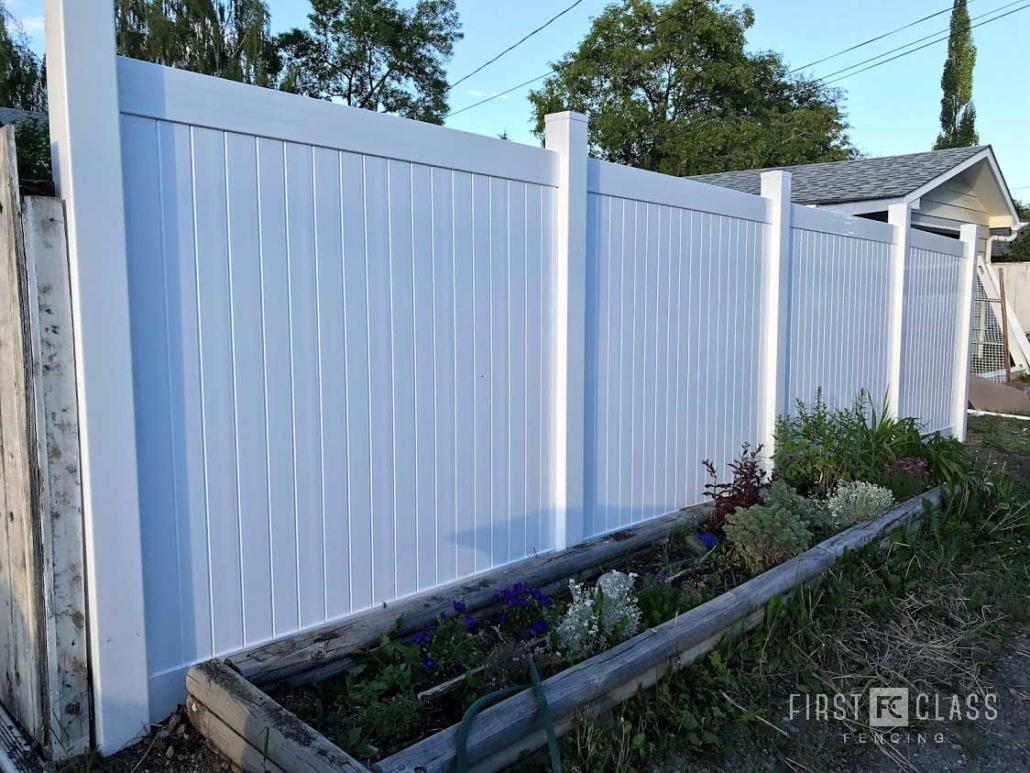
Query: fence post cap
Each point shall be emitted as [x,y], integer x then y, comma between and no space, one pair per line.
[567,115]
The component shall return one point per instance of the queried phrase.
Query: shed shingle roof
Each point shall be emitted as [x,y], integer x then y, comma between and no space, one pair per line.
[864,179]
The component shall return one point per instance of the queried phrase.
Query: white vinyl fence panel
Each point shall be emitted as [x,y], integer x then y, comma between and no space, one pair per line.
[370,357]
[341,369]
[932,280]
[673,343]
[839,290]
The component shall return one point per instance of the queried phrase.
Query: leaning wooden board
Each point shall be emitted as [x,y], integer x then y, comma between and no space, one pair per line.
[259,735]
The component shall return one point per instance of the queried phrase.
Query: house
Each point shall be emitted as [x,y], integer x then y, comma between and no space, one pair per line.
[944,189]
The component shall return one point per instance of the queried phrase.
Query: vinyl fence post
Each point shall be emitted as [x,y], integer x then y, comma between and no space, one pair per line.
[85,135]
[899,216]
[963,320]
[776,187]
[566,134]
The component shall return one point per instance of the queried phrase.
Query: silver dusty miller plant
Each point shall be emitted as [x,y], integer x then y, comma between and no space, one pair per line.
[599,617]
[857,501]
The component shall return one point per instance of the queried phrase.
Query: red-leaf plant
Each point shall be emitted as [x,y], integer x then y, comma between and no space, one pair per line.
[749,478]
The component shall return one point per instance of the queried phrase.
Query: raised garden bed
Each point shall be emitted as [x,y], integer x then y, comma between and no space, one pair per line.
[258,734]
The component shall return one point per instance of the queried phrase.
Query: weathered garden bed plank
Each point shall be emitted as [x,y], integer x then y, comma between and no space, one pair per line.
[287,741]
[513,725]
[227,741]
[321,653]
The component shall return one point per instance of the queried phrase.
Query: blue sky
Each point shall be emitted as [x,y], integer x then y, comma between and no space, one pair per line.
[893,109]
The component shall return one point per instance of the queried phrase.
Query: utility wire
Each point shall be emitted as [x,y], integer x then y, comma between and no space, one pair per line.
[920,48]
[872,40]
[946,33]
[513,46]
[577,60]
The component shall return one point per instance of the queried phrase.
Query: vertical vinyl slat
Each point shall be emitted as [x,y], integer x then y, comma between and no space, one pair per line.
[405,440]
[357,359]
[218,409]
[380,344]
[249,384]
[484,450]
[517,387]
[500,353]
[279,385]
[332,381]
[427,400]
[466,377]
[534,373]
[149,172]
[303,283]
[444,451]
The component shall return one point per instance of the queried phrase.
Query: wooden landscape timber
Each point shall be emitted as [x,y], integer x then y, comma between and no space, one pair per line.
[321,653]
[260,736]
[259,722]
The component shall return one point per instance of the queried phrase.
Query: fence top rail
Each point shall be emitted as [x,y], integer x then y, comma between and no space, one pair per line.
[931,242]
[824,221]
[164,93]
[626,182]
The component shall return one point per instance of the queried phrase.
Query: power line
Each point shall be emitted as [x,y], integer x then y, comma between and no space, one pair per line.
[915,42]
[577,60]
[920,48]
[873,40]
[513,46]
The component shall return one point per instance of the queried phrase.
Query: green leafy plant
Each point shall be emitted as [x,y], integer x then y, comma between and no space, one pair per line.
[768,534]
[818,448]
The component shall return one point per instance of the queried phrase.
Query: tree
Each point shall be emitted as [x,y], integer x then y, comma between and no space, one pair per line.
[22,76]
[672,89]
[374,55]
[958,114]
[23,86]
[227,38]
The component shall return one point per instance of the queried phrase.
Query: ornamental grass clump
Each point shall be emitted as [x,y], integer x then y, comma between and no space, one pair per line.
[857,501]
[599,617]
[768,534]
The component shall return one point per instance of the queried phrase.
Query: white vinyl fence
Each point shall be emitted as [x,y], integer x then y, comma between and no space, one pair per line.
[370,357]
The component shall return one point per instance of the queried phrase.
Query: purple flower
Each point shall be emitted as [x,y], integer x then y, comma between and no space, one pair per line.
[459,607]
[539,627]
[517,589]
[470,620]
[421,638]
[429,664]
[540,598]
[501,617]
[709,540]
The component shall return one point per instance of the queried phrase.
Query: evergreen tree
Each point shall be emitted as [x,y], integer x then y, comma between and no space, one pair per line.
[958,115]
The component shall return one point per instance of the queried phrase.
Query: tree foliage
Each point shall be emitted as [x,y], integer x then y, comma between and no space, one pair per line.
[22,77]
[374,54]
[958,114]
[23,86]
[1020,250]
[226,38]
[671,88]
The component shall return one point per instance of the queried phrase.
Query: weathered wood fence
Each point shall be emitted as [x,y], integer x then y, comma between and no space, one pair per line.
[44,679]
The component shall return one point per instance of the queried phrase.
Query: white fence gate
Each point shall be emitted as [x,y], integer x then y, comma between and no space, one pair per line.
[370,357]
